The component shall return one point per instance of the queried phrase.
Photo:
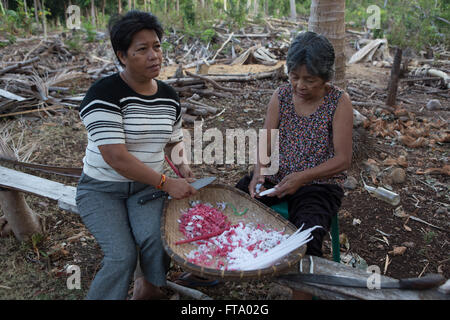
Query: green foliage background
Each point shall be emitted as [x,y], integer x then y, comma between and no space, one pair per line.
[417,24]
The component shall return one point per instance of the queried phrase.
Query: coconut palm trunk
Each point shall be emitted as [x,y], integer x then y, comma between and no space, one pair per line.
[94,23]
[327,17]
[293,15]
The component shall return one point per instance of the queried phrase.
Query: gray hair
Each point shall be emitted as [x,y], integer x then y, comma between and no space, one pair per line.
[315,52]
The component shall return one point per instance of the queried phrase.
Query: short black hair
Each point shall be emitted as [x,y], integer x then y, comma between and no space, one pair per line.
[314,51]
[122,28]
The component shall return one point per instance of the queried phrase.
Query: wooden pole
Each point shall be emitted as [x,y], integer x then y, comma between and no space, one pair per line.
[94,23]
[44,19]
[393,82]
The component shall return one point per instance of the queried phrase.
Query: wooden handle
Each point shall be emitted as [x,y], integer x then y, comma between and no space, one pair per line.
[150,197]
[177,172]
[429,281]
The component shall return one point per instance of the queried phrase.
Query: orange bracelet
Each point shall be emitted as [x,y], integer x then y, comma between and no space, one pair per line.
[161,182]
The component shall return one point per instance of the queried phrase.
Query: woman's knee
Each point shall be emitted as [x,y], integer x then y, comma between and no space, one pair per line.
[123,259]
[244,183]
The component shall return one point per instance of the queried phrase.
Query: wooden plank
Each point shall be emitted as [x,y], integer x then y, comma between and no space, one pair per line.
[19,65]
[20,181]
[324,266]
[368,49]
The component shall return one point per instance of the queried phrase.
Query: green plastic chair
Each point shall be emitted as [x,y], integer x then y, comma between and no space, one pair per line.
[282,208]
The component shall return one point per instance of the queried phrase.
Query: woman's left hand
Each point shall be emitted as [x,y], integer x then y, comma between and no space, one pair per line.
[289,185]
[186,172]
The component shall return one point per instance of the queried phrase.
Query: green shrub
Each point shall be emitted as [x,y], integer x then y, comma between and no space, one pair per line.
[90,31]
[415,24]
[207,35]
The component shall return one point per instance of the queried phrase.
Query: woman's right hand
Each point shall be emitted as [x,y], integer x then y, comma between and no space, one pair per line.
[178,188]
[256,179]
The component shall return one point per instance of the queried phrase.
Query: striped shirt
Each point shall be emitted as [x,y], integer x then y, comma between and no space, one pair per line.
[113,113]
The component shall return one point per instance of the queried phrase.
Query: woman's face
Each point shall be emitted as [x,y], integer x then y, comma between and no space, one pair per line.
[305,85]
[144,56]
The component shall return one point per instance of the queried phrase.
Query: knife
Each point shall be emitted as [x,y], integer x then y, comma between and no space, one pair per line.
[426,282]
[197,184]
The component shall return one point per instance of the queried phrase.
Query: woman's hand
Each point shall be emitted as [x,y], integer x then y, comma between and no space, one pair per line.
[178,188]
[186,172]
[256,179]
[289,185]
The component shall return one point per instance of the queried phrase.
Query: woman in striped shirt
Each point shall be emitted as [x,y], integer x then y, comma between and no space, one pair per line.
[133,120]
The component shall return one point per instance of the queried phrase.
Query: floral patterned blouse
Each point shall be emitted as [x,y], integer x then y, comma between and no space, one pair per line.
[306,141]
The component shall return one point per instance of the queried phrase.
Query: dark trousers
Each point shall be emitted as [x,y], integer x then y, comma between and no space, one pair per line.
[311,205]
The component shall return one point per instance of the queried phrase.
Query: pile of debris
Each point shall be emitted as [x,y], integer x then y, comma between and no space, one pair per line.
[44,75]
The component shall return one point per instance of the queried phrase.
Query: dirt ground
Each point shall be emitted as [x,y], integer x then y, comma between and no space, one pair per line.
[369,229]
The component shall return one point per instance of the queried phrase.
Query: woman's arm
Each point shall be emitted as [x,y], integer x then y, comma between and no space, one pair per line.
[177,154]
[127,165]
[271,123]
[342,142]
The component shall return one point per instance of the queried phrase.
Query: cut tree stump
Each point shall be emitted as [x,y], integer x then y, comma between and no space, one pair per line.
[393,82]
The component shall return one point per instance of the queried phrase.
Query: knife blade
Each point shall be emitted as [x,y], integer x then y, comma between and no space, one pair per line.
[197,184]
[426,282]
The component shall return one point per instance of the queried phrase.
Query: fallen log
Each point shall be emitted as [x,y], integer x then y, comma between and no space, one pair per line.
[188,292]
[18,65]
[249,35]
[426,71]
[417,79]
[321,266]
[211,110]
[203,110]
[10,95]
[214,83]
[198,112]
[236,78]
[189,119]
[188,88]
[208,93]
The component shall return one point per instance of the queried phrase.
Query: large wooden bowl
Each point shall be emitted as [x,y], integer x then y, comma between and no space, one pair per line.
[257,213]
